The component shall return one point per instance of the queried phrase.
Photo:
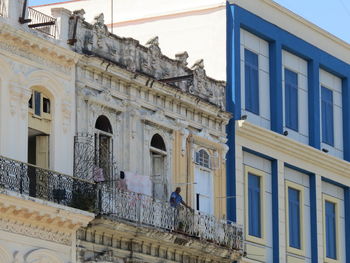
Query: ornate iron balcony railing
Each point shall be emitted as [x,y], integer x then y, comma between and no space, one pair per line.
[30,180]
[3,9]
[145,210]
[42,22]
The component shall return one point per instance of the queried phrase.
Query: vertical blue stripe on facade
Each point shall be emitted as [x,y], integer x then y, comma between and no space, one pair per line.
[314,104]
[233,105]
[346,117]
[275,211]
[313,219]
[276,99]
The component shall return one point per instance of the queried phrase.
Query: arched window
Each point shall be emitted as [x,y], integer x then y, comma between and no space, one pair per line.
[158,142]
[203,158]
[39,104]
[103,124]
[103,170]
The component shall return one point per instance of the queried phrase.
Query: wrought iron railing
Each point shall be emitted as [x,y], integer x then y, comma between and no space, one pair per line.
[144,210]
[3,8]
[42,22]
[30,180]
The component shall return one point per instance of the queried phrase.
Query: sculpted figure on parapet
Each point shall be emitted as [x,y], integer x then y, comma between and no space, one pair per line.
[100,29]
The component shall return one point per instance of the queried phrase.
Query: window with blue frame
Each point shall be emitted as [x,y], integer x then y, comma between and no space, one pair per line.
[291,99]
[251,81]
[254,205]
[327,116]
[330,228]
[294,218]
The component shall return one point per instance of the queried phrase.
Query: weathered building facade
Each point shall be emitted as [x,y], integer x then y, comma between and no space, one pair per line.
[160,125]
[101,130]
[37,83]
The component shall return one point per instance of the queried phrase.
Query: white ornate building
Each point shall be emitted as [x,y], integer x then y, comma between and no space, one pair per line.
[96,132]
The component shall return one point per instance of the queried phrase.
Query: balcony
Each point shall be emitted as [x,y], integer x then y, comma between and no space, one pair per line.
[26,179]
[41,22]
[146,211]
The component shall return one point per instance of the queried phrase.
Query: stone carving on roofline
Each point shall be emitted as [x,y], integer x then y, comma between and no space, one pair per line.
[101,30]
[182,58]
[95,40]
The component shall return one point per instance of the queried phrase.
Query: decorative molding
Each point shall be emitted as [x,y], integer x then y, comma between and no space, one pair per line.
[281,144]
[36,231]
[95,40]
[23,48]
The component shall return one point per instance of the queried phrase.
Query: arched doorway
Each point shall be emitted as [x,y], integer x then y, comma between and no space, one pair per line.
[103,170]
[158,168]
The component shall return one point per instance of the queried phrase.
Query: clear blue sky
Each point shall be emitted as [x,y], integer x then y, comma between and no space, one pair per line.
[331,15]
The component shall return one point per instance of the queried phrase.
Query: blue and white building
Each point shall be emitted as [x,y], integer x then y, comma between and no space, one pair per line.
[288,170]
[288,163]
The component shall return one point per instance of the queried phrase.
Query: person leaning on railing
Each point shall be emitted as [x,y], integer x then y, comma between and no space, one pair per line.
[176,199]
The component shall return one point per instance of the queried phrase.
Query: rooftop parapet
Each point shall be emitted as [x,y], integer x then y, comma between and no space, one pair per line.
[95,39]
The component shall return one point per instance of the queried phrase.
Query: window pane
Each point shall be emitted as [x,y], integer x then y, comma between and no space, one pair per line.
[291,99]
[46,105]
[37,100]
[327,116]
[294,218]
[331,244]
[254,205]
[251,81]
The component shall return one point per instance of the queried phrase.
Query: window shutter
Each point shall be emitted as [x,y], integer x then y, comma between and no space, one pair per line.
[294,218]
[254,205]
[251,81]
[291,99]
[331,244]
[327,116]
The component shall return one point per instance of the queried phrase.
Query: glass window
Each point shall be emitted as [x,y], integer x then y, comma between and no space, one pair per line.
[37,103]
[291,99]
[327,116]
[294,218]
[251,81]
[203,159]
[254,205]
[46,105]
[330,227]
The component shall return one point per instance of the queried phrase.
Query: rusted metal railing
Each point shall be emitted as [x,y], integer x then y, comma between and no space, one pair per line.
[45,184]
[145,210]
[42,22]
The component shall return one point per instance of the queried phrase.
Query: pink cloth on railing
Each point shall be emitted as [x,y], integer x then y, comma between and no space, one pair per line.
[98,174]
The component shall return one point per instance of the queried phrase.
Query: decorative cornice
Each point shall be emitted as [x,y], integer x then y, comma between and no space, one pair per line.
[151,237]
[35,231]
[303,153]
[36,49]
[158,87]
[40,219]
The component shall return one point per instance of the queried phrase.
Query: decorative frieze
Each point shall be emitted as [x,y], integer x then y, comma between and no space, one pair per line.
[94,39]
[35,231]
